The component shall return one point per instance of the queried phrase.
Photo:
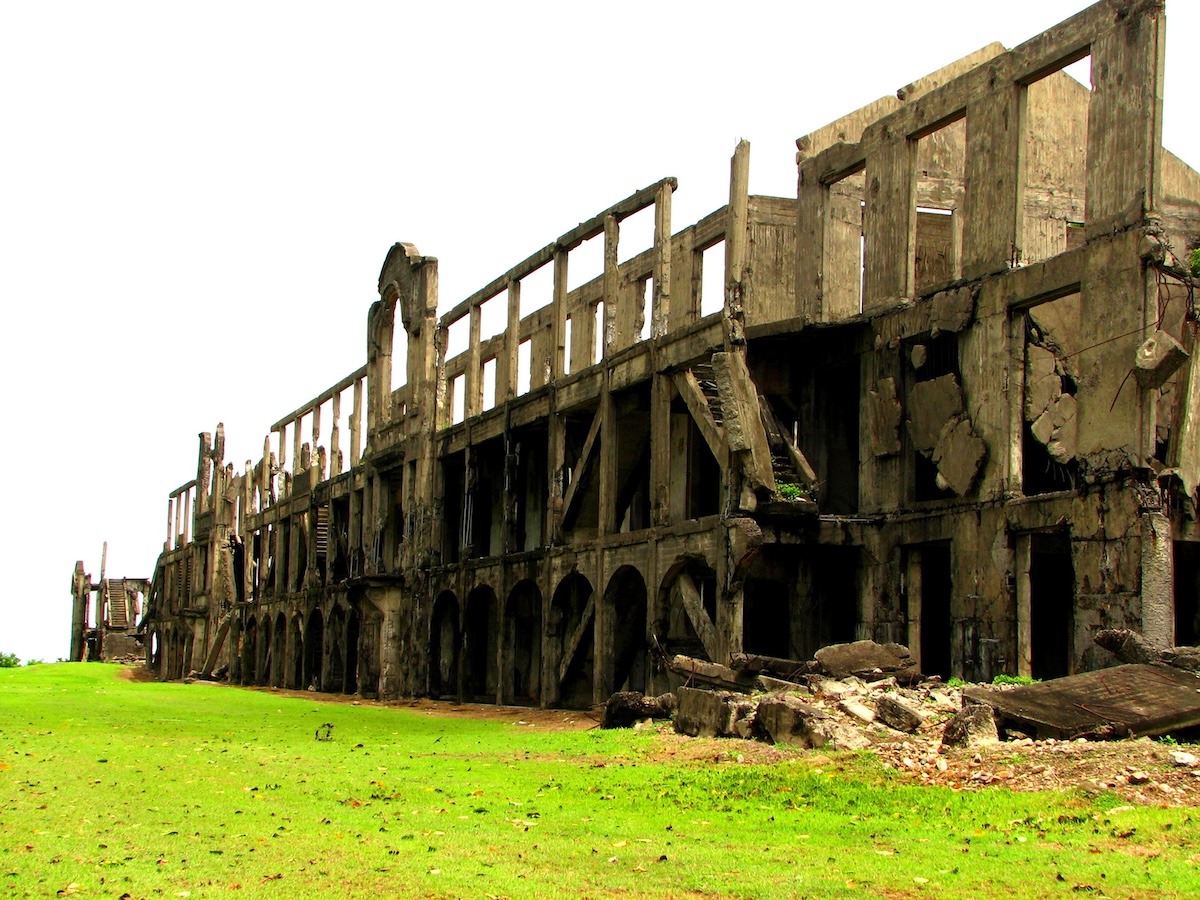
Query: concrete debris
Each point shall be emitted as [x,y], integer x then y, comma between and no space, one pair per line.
[1183,759]
[627,708]
[1131,647]
[931,404]
[899,713]
[972,726]
[1158,358]
[790,720]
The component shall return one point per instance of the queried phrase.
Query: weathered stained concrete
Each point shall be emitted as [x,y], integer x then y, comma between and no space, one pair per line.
[909,417]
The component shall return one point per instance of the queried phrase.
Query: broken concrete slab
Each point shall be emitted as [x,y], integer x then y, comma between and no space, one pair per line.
[1130,700]
[867,660]
[883,417]
[898,714]
[715,674]
[789,720]
[958,455]
[931,404]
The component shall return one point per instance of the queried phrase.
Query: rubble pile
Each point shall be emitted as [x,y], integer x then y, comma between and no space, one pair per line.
[870,696]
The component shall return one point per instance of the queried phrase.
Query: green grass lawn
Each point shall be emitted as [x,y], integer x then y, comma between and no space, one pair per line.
[112,788]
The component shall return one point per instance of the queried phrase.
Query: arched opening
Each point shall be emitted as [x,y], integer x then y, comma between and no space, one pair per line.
[626,602]
[335,634]
[279,667]
[479,645]
[685,616]
[572,646]
[523,644]
[353,628]
[266,647]
[443,647]
[296,656]
[314,643]
[250,652]
[155,654]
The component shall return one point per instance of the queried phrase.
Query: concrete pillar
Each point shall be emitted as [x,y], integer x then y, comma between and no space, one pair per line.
[1157,564]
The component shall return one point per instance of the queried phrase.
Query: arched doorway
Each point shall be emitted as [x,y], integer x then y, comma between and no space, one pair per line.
[250,652]
[626,603]
[279,667]
[685,616]
[296,655]
[335,637]
[353,629]
[314,644]
[522,669]
[571,647]
[479,645]
[266,653]
[443,646]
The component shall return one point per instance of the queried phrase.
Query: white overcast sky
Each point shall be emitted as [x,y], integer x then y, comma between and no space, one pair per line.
[195,200]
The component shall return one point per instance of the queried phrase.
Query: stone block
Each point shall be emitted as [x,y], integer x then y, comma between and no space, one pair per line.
[1158,358]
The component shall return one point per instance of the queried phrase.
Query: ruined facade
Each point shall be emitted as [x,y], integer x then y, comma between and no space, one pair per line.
[945,396]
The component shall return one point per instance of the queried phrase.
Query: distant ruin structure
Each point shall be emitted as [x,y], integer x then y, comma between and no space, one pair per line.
[945,396]
[104,614]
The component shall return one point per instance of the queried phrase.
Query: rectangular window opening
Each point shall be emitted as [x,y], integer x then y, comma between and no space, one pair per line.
[586,262]
[599,331]
[940,188]
[489,383]
[637,234]
[458,337]
[567,346]
[524,363]
[712,278]
[537,289]
[493,316]
[647,291]
[458,399]
[1054,162]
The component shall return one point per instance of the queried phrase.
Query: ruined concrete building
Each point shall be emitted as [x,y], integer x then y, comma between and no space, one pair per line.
[945,396]
[104,614]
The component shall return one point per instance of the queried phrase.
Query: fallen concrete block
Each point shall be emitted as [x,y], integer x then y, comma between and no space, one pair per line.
[867,660]
[625,708]
[702,713]
[900,715]
[972,726]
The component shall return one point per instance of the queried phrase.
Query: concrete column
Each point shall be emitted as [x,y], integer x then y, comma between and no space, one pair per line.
[1158,597]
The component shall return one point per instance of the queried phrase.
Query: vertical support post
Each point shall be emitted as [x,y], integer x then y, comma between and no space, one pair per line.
[736,238]
[512,341]
[660,322]
[661,391]
[559,326]
[473,383]
[335,436]
[1022,564]
[612,283]
[356,423]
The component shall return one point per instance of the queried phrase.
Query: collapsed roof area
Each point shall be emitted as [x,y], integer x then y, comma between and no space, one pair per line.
[945,396]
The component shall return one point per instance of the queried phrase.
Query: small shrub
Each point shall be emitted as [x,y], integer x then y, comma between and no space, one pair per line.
[956,682]
[1194,262]
[788,491]
[9,661]
[34,662]
[1015,679]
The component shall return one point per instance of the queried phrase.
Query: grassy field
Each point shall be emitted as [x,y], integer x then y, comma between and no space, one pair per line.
[116,788]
